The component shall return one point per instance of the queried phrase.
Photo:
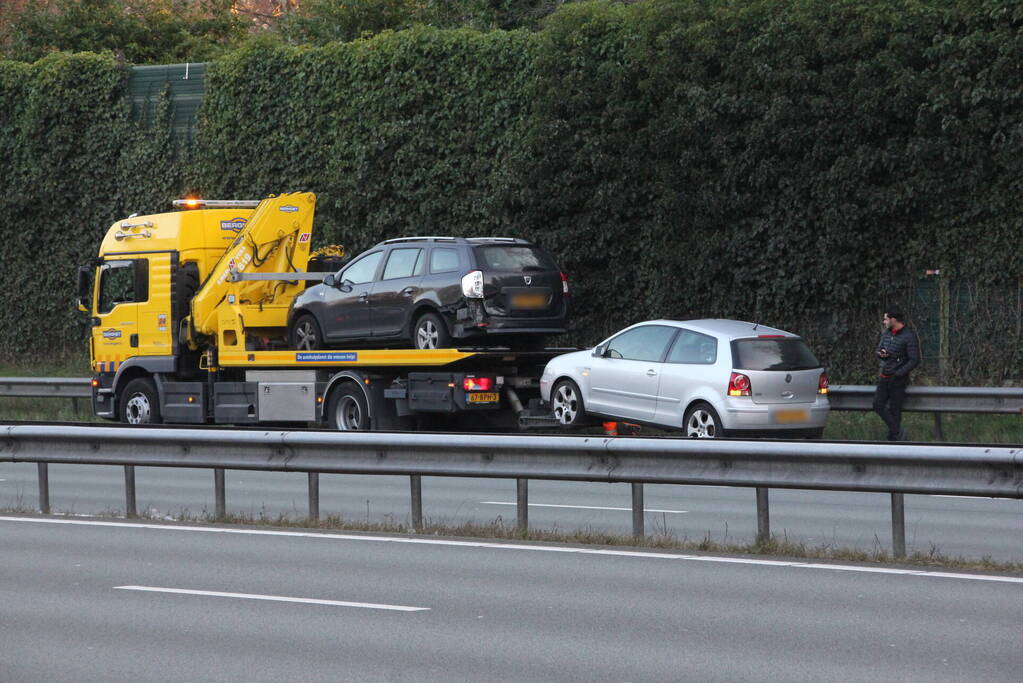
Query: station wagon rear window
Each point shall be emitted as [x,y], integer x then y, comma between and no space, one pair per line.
[514,258]
[785,354]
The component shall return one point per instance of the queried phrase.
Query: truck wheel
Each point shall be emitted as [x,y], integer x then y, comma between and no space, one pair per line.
[702,422]
[348,410]
[139,403]
[430,332]
[567,402]
[305,334]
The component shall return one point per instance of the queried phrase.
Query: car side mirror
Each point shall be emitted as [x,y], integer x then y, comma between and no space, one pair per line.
[346,286]
[598,351]
[330,280]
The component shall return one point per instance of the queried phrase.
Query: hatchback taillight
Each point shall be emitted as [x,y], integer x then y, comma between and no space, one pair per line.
[822,384]
[738,385]
[564,284]
[477,383]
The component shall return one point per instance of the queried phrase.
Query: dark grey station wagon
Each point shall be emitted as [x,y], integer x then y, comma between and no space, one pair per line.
[436,292]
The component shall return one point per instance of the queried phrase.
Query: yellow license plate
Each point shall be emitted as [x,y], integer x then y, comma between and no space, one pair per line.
[484,397]
[790,416]
[529,301]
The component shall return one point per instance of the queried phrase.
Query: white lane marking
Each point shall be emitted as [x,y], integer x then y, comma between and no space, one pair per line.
[519,546]
[275,598]
[581,507]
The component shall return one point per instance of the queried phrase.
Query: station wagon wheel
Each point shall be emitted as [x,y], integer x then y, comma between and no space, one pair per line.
[430,333]
[139,403]
[702,422]
[567,403]
[305,334]
[348,410]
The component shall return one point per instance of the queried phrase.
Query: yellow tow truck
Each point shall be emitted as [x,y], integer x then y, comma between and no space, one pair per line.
[189,312]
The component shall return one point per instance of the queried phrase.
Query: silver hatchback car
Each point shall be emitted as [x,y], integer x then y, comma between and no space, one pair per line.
[708,378]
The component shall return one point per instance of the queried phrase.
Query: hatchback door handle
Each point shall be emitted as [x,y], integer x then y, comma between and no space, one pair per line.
[651,372]
[364,296]
[408,291]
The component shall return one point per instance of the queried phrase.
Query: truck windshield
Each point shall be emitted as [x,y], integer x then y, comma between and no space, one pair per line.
[790,353]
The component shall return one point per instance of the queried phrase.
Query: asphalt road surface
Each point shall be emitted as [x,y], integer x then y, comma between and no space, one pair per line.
[88,600]
[958,527]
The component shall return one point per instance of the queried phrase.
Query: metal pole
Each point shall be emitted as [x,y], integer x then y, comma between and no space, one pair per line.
[219,492]
[314,495]
[522,504]
[637,510]
[44,488]
[416,482]
[763,516]
[939,432]
[898,525]
[130,508]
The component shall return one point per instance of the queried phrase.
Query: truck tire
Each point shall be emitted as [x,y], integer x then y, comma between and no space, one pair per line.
[701,421]
[305,334]
[347,410]
[567,404]
[139,403]
[430,332]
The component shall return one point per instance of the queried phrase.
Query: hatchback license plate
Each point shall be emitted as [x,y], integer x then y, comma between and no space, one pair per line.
[790,416]
[484,397]
[529,301]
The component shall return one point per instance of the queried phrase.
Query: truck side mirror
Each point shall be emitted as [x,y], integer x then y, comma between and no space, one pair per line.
[84,288]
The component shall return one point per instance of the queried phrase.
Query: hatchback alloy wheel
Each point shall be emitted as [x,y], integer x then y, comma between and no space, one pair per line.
[702,423]
[566,404]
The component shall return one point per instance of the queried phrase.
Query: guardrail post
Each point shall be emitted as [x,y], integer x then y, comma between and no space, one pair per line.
[219,492]
[314,495]
[898,525]
[939,432]
[74,406]
[763,516]
[522,505]
[416,483]
[44,488]
[637,511]
[130,508]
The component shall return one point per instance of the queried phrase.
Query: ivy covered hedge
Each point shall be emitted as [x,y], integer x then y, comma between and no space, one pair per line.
[797,162]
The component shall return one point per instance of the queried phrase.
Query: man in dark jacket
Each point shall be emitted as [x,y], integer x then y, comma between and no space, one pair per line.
[899,351]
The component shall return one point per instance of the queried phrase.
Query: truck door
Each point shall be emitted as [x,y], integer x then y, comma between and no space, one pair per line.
[121,285]
[154,312]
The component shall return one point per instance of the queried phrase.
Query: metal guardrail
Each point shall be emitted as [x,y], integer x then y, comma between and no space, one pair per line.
[895,468]
[42,387]
[994,400]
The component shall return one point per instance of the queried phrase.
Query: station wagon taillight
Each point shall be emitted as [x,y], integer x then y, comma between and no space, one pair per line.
[822,384]
[564,284]
[477,383]
[738,385]
[472,284]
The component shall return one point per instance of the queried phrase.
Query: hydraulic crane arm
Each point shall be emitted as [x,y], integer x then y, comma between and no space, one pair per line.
[275,239]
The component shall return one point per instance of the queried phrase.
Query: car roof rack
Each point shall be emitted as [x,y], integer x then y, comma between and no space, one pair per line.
[435,238]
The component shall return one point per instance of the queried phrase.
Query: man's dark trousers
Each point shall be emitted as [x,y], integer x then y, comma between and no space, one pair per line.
[888,400]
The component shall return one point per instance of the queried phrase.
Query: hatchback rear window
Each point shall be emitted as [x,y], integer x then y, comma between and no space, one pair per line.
[790,353]
[514,258]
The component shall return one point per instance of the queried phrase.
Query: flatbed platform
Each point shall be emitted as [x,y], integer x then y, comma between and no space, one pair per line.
[426,358]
